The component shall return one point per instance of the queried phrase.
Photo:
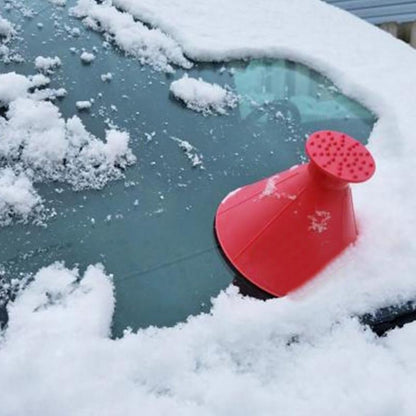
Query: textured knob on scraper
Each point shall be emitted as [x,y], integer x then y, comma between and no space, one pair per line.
[279,232]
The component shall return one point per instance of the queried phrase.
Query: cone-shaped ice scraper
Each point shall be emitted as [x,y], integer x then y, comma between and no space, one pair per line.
[279,232]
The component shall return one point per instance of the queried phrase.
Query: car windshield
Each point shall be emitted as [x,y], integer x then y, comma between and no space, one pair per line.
[154,230]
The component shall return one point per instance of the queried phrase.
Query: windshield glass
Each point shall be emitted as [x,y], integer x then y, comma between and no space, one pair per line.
[154,230]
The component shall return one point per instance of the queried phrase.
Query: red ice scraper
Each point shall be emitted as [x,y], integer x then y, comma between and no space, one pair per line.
[279,232]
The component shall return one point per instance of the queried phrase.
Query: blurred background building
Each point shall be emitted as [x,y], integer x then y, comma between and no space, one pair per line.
[398,17]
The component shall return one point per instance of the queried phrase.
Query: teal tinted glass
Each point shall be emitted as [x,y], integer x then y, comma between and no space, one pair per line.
[154,230]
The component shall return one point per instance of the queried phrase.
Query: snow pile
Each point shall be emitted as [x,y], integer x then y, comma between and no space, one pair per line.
[201,96]
[13,86]
[149,46]
[35,137]
[49,94]
[47,64]
[83,105]
[106,77]
[58,2]
[76,32]
[87,57]
[18,198]
[38,80]
[37,141]
[6,29]
[245,357]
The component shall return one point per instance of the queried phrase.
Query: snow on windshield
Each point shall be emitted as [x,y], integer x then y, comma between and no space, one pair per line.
[150,46]
[7,31]
[302,354]
[6,28]
[37,144]
[202,96]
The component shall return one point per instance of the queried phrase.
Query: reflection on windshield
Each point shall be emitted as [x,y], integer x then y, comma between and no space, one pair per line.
[283,89]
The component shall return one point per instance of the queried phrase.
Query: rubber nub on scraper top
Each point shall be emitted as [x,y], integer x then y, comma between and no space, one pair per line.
[279,232]
[340,156]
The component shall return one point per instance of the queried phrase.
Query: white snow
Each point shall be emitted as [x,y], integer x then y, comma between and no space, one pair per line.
[7,32]
[319,221]
[75,31]
[202,96]
[117,145]
[107,77]
[246,357]
[4,50]
[58,2]
[270,187]
[49,93]
[83,105]
[302,354]
[87,57]
[190,151]
[6,28]
[271,190]
[47,64]
[38,80]
[12,86]
[37,141]
[149,46]
[18,199]
[60,92]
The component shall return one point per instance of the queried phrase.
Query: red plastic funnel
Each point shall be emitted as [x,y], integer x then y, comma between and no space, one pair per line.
[279,232]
